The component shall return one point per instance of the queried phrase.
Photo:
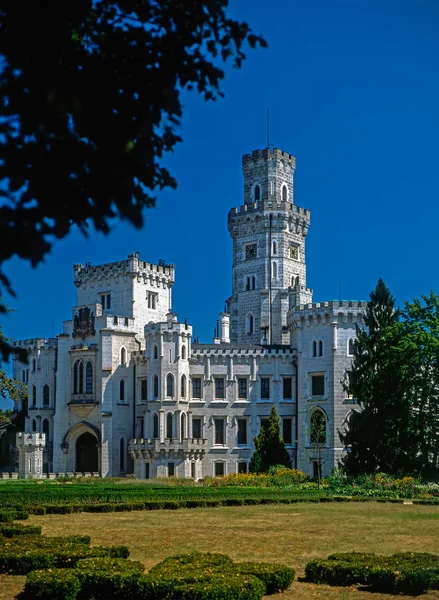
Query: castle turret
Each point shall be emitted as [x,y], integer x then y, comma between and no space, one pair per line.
[269,266]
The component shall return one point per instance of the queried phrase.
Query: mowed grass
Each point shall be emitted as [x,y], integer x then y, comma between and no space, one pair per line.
[288,534]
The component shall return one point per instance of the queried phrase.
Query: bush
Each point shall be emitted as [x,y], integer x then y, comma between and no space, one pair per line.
[410,572]
[276,578]
[7,516]
[59,509]
[15,529]
[237,587]
[58,584]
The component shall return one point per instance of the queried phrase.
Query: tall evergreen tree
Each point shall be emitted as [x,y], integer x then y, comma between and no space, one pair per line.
[378,436]
[270,447]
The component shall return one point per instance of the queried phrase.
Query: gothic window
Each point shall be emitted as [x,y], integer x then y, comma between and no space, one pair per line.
[46,396]
[284,193]
[169,431]
[27,375]
[183,386]
[274,248]
[122,390]
[351,347]
[320,348]
[183,427]
[144,389]
[317,427]
[34,365]
[183,352]
[123,357]
[46,427]
[24,406]
[314,348]
[250,324]
[78,377]
[170,385]
[23,376]
[34,395]
[274,270]
[122,454]
[247,284]
[155,386]
[89,378]
[253,282]
[257,193]
[155,426]
[155,352]
[34,425]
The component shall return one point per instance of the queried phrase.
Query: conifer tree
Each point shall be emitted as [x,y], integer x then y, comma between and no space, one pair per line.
[378,435]
[270,447]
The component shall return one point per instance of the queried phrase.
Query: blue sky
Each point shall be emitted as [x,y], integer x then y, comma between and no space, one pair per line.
[353,91]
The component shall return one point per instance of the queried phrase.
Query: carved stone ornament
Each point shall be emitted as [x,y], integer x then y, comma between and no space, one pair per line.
[84,323]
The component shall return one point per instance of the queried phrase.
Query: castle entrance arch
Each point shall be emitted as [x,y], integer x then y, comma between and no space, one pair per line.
[86,453]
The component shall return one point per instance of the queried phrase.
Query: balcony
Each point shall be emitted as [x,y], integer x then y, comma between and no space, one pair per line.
[154,448]
[81,405]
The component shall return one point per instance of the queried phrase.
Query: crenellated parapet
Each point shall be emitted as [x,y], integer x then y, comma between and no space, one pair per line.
[266,154]
[321,313]
[160,274]
[285,217]
[36,343]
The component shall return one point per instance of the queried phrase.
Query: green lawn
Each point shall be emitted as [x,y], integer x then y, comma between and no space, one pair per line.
[289,534]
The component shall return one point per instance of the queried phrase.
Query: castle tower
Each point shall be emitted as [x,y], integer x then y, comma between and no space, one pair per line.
[30,455]
[269,263]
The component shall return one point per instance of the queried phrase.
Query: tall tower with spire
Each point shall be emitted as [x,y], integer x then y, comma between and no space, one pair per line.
[269,261]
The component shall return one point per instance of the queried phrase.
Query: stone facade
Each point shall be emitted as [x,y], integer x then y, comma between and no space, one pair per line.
[125,389]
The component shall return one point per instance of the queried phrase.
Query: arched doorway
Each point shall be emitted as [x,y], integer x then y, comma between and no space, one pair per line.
[86,453]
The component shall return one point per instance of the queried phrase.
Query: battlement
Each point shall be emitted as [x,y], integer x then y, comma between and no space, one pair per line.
[35,343]
[171,325]
[326,313]
[239,350]
[268,207]
[267,154]
[334,305]
[132,266]
[30,439]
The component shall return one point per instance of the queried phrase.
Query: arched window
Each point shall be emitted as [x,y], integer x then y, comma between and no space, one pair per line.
[23,376]
[89,378]
[274,270]
[122,454]
[78,377]
[155,426]
[253,282]
[34,365]
[293,281]
[274,248]
[155,352]
[351,347]
[123,357]
[46,427]
[34,395]
[250,323]
[320,348]
[34,425]
[314,348]
[170,385]
[284,193]
[24,406]
[155,386]
[122,390]
[317,427]
[169,426]
[183,352]
[257,193]
[183,427]
[247,285]
[46,396]
[183,386]
[297,282]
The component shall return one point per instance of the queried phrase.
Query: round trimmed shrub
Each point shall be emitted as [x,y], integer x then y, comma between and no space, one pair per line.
[276,578]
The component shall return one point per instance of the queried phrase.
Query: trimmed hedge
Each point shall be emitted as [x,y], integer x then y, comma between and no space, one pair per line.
[195,576]
[406,572]
[7,516]
[14,529]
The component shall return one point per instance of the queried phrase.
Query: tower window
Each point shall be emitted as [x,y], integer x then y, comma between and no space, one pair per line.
[78,377]
[155,426]
[284,193]
[106,301]
[169,426]
[123,357]
[183,386]
[34,395]
[274,270]
[170,386]
[183,352]
[247,284]
[46,396]
[250,324]
[155,353]
[294,252]
[351,347]
[253,282]
[274,248]
[144,389]
[122,390]
[257,193]
[317,385]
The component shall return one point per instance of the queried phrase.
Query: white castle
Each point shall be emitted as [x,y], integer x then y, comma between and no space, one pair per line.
[126,389]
